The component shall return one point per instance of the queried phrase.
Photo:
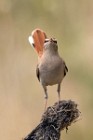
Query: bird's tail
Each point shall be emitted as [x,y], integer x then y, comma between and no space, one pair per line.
[37,39]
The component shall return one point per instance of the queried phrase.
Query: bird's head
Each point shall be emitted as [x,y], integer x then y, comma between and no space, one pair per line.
[51,45]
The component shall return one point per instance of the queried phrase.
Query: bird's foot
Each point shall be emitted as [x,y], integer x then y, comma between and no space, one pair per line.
[59,101]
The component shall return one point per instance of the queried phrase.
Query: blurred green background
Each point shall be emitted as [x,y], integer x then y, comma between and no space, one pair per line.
[21,95]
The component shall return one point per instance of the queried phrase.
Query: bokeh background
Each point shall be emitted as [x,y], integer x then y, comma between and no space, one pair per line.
[21,95]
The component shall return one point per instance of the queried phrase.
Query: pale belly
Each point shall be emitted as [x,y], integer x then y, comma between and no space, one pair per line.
[52,76]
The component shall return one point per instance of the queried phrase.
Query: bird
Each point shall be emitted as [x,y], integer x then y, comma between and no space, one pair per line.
[51,68]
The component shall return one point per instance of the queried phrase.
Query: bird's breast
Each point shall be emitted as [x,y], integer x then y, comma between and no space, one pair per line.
[51,71]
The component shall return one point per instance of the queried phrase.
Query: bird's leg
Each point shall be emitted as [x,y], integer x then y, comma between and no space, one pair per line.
[46,95]
[58,90]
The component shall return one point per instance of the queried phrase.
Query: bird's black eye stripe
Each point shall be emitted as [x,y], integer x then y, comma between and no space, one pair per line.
[55,41]
[47,40]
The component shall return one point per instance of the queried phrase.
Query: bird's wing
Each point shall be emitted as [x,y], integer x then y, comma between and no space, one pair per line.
[65,70]
[37,73]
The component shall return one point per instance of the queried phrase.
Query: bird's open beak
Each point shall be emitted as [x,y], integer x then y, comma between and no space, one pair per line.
[53,40]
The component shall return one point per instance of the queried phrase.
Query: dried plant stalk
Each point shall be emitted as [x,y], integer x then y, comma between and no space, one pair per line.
[56,118]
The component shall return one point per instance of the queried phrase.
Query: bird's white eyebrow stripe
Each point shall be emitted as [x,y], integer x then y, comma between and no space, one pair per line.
[47,39]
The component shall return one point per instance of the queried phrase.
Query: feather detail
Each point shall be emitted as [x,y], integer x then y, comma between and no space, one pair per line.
[65,70]
[37,73]
[37,40]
